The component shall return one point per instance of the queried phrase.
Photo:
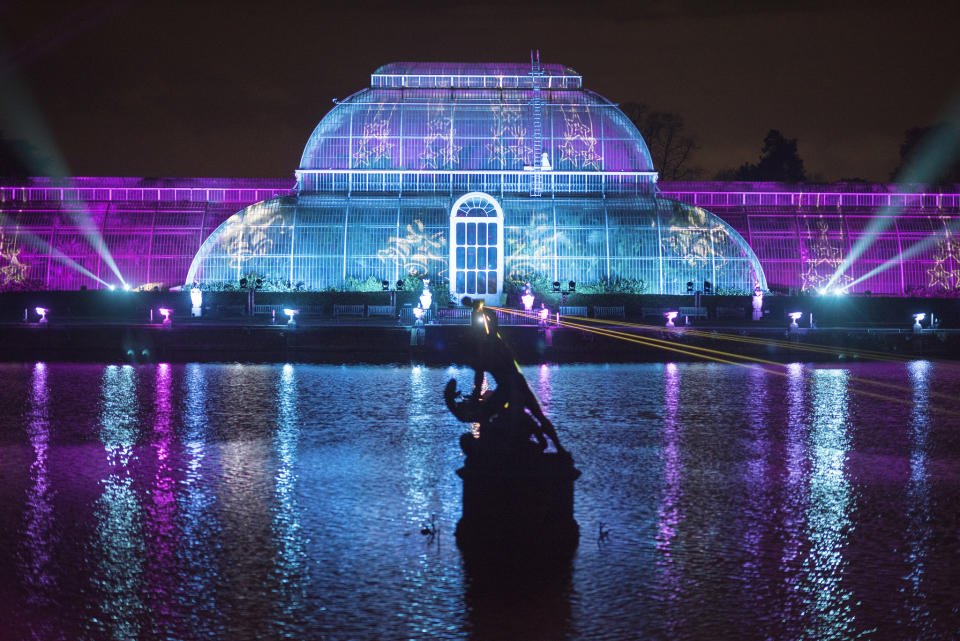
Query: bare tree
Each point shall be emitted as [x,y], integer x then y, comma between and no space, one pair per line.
[670,146]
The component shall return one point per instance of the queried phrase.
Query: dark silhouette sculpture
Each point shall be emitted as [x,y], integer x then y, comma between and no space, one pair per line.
[517,491]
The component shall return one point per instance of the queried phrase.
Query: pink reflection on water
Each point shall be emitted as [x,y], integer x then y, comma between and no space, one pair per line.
[670,512]
[39,536]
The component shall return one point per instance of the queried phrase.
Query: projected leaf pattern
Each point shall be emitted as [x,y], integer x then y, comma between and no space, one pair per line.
[250,235]
[694,238]
[508,144]
[579,146]
[820,257]
[440,151]
[526,251]
[416,251]
[374,144]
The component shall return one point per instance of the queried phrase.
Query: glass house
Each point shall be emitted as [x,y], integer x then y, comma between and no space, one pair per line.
[475,173]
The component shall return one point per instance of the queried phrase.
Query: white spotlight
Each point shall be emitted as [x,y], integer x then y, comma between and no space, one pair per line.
[42,313]
[166,314]
[291,313]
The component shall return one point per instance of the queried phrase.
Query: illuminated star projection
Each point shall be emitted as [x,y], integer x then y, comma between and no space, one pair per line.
[508,138]
[415,252]
[579,146]
[439,151]
[819,258]
[374,144]
[12,271]
[945,253]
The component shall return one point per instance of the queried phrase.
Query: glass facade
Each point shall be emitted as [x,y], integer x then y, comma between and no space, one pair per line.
[59,237]
[472,174]
[475,173]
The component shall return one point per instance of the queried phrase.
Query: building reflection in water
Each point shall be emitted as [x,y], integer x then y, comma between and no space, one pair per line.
[39,538]
[670,511]
[290,562]
[161,507]
[756,470]
[119,542]
[828,604]
[919,528]
[199,523]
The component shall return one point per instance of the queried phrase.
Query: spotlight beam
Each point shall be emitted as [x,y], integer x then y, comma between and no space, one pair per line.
[938,149]
[910,251]
[35,241]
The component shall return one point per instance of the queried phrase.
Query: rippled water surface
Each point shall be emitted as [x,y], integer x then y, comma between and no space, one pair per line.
[266,502]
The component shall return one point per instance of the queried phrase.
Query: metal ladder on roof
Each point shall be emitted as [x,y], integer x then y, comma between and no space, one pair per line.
[536,73]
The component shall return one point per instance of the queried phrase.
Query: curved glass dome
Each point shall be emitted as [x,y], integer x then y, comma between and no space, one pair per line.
[476,117]
[324,241]
[470,174]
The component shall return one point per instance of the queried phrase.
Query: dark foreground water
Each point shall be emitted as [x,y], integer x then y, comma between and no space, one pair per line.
[268,502]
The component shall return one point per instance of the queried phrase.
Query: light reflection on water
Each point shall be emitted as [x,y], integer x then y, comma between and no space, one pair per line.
[118,542]
[828,511]
[252,501]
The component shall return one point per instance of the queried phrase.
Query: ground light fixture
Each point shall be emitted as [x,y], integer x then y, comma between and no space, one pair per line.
[544,313]
[917,318]
[426,298]
[165,312]
[670,318]
[196,300]
[291,313]
[794,317]
[527,299]
[42,313]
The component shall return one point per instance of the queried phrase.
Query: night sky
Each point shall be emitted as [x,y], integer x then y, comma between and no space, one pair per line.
[235,88]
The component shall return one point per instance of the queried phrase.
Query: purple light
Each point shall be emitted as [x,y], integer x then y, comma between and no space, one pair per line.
[795,316]
[670,316]
[544,314]
[165,313]
[42,313]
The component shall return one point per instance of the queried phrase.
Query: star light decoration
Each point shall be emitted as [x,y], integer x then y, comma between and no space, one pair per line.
[374,144]
[440,151]
[945,254]
[579,146]
[508,138]
[820,257]
[11,269]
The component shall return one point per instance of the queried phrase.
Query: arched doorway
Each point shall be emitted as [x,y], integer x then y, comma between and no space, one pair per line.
[476,248]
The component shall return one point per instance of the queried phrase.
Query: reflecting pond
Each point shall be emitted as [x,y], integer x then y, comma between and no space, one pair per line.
[235,501]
